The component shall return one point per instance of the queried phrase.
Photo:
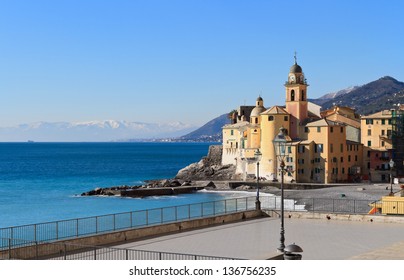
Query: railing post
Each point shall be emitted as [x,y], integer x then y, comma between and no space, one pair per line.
[114,223]
[65,249]
[9,248]
[225,206]
[189,211]
[77,227]
[161,215]
[35,232]
[57,230]
[96,224]
[202,209]
[147,217]
[95,253]
[36,250]
[131,217]
[176,213]
[127,254]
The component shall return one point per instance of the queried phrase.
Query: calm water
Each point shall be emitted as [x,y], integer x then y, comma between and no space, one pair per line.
[40,182]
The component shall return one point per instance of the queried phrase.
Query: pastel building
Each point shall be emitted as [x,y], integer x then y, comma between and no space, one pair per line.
[377,131]
[324,147]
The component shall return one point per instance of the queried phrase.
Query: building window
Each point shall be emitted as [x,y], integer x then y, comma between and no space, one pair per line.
[389,121]
[343,170]
[369,121]
[342,148]
[342,129]
[285,118]
[349,158]
[342,159]
[331,148]
[356,158]
[383,121]
[382,143]
[256,120]
[289,150]
[382,131]
[318,129]
[270,118]
[331,129]
[369,143]
[303,97]
[306,129]
[369,132]
[231,132]
[292,95]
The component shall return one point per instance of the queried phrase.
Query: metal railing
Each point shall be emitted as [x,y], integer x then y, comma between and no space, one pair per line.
[65,229]
[59,230]
[25,250]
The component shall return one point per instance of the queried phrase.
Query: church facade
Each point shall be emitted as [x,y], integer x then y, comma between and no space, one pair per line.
[324,147]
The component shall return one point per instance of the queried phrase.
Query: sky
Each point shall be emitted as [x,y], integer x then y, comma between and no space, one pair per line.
[161,61]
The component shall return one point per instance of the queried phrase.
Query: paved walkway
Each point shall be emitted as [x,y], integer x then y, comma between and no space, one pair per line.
[254,239]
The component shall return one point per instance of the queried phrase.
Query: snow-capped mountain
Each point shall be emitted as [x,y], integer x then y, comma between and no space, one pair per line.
[108,130]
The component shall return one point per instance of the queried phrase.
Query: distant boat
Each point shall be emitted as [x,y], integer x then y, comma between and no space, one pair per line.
[30,141]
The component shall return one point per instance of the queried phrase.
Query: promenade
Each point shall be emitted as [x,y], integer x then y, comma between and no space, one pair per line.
[257,239]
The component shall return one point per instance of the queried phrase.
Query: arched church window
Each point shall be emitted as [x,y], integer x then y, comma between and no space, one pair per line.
[292,95]
[270,118]
[303,97]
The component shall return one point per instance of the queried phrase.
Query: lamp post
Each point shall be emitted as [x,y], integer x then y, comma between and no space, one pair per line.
[280,145]
[391,163]
[258,156]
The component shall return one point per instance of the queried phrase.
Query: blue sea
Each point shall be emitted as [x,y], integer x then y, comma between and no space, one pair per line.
[41,182]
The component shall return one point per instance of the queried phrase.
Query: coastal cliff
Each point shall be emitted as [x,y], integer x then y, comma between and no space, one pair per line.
[208,168]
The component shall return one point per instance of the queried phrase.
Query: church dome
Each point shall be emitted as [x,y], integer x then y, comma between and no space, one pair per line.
[296,68]
[257,111]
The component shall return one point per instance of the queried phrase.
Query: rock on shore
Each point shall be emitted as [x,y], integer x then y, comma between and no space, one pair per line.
[208,168]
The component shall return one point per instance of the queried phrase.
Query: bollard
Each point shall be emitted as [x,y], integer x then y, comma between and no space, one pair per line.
[290,252]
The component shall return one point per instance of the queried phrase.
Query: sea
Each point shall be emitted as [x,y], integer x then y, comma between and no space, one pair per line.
[43,182]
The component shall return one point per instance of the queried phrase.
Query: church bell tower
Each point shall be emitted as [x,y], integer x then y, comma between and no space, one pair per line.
[296,98]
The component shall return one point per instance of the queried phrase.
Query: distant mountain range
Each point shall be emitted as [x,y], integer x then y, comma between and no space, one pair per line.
[210,132]
[384,93]
[97,131]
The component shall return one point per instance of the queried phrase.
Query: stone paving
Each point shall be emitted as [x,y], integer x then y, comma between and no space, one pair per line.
[255,239]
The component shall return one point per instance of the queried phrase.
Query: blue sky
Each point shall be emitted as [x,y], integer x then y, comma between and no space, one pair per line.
[184,60]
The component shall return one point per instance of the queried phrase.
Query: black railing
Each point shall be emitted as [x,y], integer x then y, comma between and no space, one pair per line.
[59,230]
[25,250]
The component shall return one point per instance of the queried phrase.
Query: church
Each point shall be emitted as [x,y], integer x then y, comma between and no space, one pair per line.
[323,147]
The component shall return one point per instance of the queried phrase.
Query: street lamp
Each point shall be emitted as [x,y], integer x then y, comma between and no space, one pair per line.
[258,156]
[391,163]
[280,145]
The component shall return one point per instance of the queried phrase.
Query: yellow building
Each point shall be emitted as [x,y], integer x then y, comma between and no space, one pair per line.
[320,148]
[376,137]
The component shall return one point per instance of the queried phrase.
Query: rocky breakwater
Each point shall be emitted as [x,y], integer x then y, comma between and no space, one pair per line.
[151,188]
[209,168]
